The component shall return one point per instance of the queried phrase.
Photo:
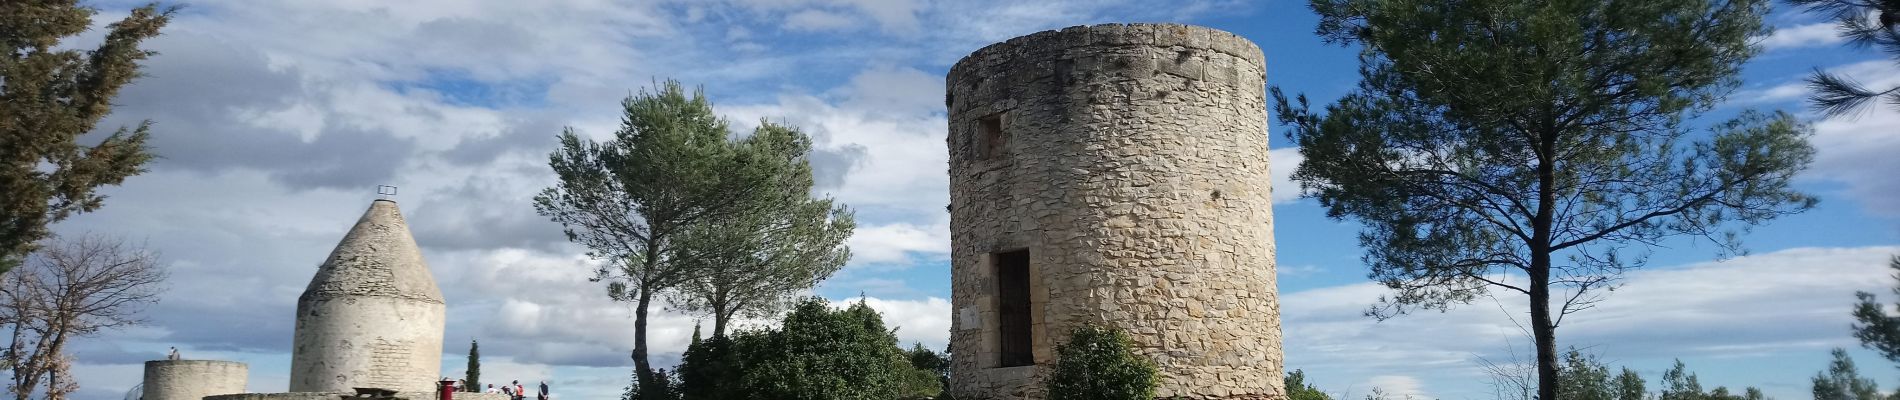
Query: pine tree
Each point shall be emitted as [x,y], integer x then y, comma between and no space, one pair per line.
[673,170]
[50,96]
[1842,381]
[1865,24]
[1538,147]
[1873,326]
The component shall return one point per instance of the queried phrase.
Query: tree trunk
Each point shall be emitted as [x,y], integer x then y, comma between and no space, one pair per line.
[1542,329]
[719,322]
[642,370]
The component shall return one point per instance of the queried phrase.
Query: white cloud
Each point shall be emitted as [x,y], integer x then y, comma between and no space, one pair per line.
[892,16]
[1773,94]
[1282,162]
[894,243]
[925,321]
[1854,150]
[1659,314]
[1397,386]
[817,20]
[1810,35]
[1858,150]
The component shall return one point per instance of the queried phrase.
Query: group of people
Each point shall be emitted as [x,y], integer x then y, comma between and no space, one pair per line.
[514,390]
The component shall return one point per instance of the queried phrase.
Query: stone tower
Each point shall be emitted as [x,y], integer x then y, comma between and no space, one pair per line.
[372,316]
[1113,174]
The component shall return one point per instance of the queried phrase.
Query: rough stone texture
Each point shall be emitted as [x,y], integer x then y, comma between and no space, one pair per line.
[284,396]
[1133,167]
[193,379]
[341,395]
[372,316]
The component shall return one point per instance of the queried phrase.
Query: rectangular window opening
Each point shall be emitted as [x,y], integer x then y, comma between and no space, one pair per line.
[1012,285]
[991,138]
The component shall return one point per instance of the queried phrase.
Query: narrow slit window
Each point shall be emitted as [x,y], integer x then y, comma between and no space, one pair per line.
[1012,285]
[990,136]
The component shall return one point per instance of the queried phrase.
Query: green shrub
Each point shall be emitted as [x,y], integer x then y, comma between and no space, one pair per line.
[1098,364]
[1298,389]
[708,369]
[932,376]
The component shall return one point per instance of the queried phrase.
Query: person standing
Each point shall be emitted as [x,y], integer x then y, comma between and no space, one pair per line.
[520,393]
[543,395]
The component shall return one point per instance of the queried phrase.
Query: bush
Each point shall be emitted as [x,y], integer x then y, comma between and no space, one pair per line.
[1298,389]
[708,369]
[932,373]
[1098,364]
[816,353]
[819,353]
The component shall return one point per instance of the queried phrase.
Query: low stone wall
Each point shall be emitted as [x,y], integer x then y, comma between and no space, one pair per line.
[193,379]
[341,395]
[286,396]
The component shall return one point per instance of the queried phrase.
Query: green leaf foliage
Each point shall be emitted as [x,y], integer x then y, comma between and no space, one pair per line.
[932,376]
[1583,377]
[751,263]
[673,197]
[473,376]
[1679,384]
[1298,389]
[1493,140]
[1099,363]
[1842,381]
[816,353]
[49,97]
[1873,326]
[710,370]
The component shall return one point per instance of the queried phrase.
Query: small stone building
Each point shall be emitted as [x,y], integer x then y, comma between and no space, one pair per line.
[1113,174]
[372,316]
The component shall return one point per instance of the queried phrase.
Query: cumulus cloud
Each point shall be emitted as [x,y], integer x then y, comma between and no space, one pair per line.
[817,20]
[275,120]
[1856,150]
[1809,35]
[1659,314]
[891,16]
[1282,164]
[925,321]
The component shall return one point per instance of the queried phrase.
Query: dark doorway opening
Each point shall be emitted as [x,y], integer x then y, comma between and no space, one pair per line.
[1012,285]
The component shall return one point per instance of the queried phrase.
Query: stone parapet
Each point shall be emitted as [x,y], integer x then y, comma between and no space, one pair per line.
[193,379]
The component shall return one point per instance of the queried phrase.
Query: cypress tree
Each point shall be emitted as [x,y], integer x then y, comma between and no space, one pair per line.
[474,374]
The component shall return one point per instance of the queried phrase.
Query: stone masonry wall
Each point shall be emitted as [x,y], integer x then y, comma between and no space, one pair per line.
[1132,165]
[193,379]
[372,315]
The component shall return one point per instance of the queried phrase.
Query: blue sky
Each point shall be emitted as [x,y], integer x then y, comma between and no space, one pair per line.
[276,121]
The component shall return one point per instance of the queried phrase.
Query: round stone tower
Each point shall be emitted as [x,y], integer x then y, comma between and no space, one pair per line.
[372,316]
[193,379]
[1116,175]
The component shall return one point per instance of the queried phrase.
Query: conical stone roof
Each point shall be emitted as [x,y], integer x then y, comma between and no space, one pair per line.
[377,258]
